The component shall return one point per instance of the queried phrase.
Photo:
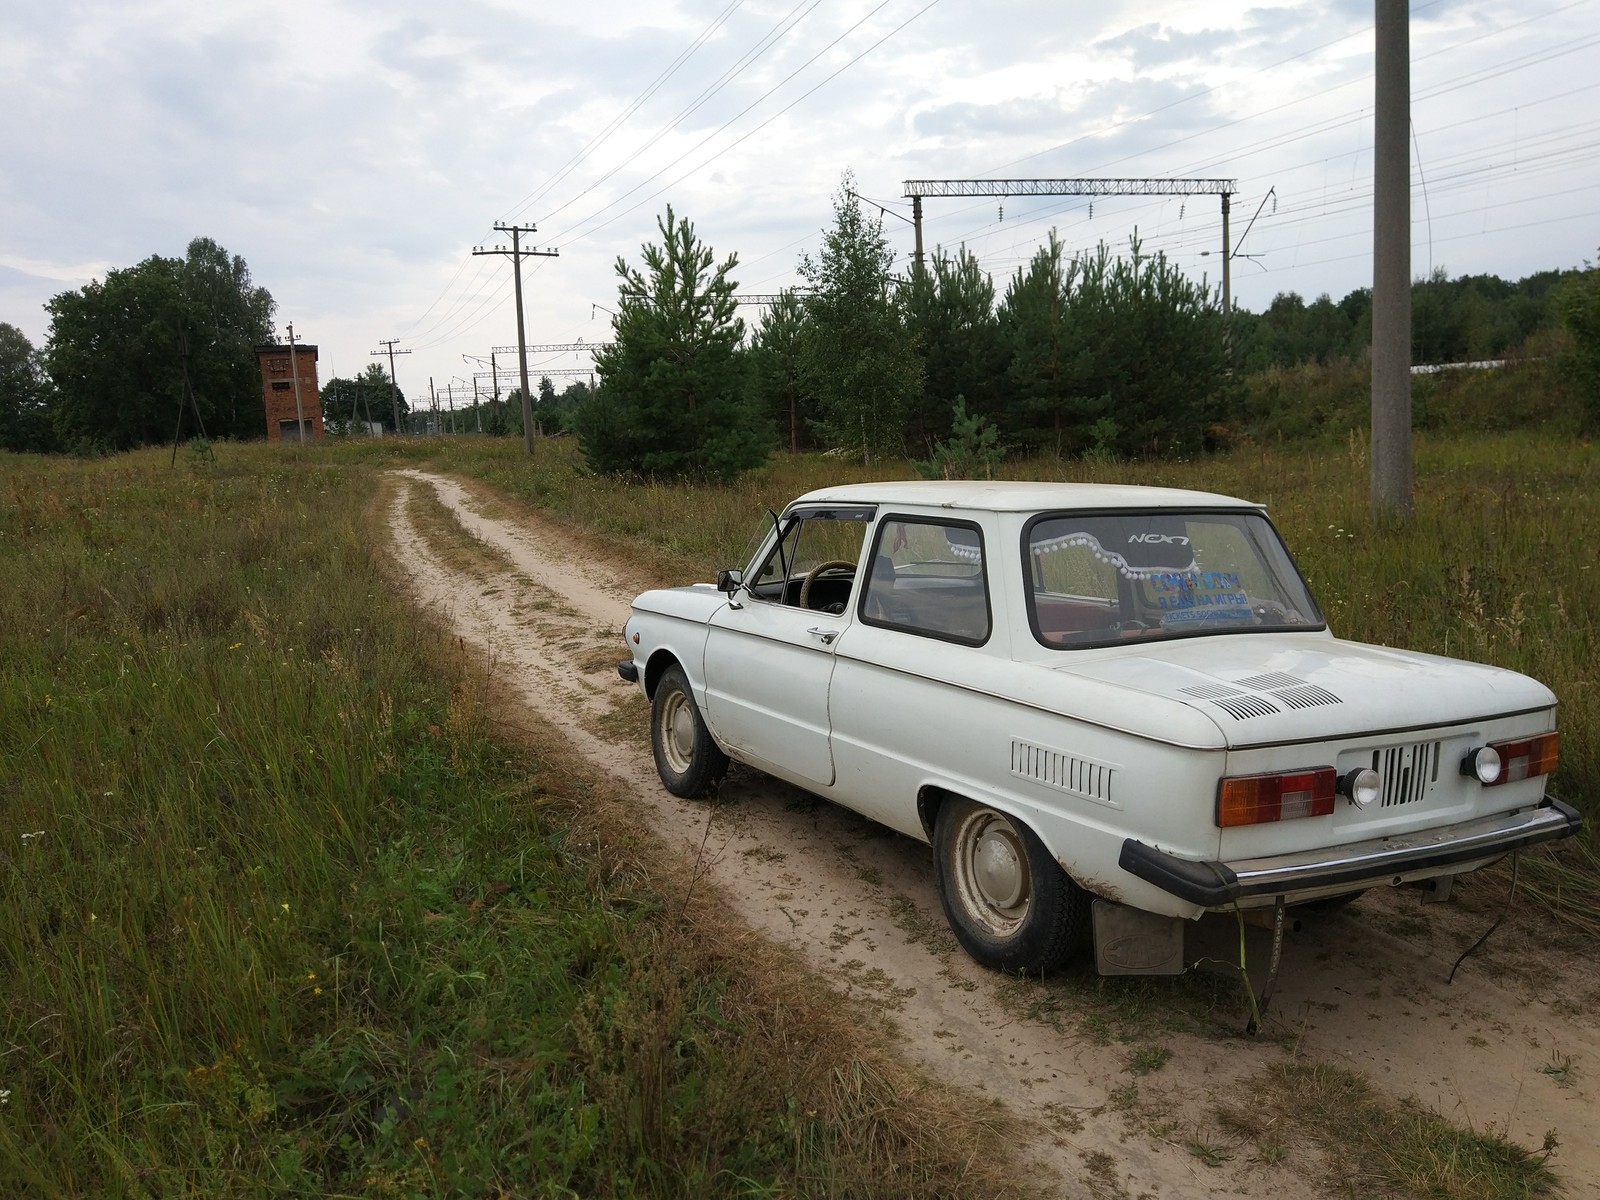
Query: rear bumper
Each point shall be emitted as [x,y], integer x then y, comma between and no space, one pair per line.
[1357,864]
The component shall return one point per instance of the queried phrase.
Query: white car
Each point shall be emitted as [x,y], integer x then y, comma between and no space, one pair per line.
[1109,709]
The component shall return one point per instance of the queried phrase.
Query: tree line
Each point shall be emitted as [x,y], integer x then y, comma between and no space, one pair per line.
[1110,353]
[1104,353]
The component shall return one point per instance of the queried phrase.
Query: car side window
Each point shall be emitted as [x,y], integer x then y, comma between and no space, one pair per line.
[813,562]
[927,577]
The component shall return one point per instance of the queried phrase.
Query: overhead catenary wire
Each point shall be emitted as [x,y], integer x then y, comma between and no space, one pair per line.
[575,231]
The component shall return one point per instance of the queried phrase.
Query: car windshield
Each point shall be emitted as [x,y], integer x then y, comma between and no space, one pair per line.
[1102,579]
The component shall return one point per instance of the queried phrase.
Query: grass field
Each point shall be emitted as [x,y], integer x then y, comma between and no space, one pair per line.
[285,911]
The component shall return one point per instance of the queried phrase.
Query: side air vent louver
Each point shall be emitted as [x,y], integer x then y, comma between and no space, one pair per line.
[1066,772]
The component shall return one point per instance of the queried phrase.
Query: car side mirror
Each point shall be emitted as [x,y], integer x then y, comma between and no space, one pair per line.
[729,581]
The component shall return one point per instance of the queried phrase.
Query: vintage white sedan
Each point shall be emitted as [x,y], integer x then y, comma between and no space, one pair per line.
[1109,709]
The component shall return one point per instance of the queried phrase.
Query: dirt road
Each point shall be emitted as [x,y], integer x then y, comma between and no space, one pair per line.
[1510,1047]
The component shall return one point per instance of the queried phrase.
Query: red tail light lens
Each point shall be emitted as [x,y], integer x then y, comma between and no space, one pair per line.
[1527,758]
[1258,799]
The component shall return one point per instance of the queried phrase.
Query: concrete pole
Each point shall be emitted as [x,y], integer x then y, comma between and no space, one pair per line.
[1227,260]
[1391,264]
[916,222]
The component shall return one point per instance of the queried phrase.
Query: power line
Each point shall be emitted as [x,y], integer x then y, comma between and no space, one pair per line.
[744,137]
[621,118]
[764,44]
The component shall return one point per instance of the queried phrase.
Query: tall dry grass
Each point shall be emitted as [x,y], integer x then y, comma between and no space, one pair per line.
[284,912]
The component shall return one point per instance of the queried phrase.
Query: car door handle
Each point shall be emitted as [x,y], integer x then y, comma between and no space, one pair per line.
[825,635]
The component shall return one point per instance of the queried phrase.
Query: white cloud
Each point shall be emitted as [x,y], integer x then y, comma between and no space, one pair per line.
[354,152]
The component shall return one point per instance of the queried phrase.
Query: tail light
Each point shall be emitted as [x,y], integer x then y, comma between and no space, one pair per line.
[1258,799]
[1507,762]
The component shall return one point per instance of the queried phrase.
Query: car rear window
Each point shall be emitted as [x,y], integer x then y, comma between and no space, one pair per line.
[1097,579]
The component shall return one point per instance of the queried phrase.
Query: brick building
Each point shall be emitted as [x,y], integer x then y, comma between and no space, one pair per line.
[277,391]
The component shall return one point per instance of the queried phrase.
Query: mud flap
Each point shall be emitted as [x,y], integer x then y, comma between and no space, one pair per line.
[1130,941]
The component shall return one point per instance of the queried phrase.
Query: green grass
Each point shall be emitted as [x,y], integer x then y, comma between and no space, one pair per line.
[1377,1147]
[284,912]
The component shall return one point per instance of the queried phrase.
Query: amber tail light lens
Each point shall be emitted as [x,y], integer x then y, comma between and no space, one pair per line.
[1527,758]
[1258,799]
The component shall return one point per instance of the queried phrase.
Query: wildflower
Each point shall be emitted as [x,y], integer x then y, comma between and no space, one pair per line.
[93,918]
[49,700]
[285,906]
[311,974]
[235,646]
[316,991]
[5,1095]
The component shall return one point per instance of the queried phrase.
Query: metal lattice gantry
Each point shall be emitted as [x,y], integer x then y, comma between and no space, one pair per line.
[916,189]
[535,371]
[557,348]
[768,298]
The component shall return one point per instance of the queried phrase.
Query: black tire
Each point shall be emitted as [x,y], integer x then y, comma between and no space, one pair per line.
[1009,903]
[689,762]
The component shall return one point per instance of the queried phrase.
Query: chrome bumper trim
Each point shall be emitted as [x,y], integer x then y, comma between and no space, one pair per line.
[1357,864]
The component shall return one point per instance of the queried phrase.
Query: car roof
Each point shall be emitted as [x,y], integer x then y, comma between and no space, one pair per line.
[1014,496]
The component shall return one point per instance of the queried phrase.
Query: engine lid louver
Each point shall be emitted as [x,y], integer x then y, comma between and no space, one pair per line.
[1266,693]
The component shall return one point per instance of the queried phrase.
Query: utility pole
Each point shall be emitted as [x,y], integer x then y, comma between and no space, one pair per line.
[394,393]
[516,254]
[1391,263]
[294,373]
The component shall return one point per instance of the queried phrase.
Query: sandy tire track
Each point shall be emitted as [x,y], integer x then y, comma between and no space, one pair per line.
[858,903]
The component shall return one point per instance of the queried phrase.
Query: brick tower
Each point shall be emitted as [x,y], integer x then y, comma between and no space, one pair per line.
[278,391]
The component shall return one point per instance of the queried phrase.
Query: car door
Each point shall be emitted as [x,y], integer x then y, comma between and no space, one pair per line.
[770,652]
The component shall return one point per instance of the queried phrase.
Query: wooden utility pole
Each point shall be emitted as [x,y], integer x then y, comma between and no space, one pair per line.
[1391,264]
[394,392]
[516,254]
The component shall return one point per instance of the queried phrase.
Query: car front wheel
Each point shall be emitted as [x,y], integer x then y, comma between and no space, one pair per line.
[687,759]
[1009,903]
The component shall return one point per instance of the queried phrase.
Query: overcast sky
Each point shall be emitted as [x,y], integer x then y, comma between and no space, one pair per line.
[354,153]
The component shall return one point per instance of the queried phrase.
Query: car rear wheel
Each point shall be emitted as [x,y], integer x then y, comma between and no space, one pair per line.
[687,759]
[1009,903]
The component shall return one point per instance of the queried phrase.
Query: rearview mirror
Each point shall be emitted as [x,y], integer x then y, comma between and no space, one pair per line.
[729,581]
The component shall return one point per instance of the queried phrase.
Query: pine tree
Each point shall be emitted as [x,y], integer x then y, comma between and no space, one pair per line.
[672,400]
[858,357]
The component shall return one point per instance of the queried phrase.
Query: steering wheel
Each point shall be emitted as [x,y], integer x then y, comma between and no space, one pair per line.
[833,564]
